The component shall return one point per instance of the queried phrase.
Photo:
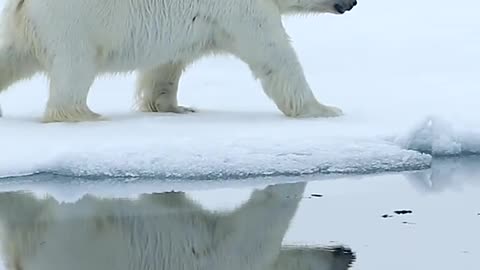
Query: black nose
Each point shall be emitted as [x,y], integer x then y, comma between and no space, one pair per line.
[340,8]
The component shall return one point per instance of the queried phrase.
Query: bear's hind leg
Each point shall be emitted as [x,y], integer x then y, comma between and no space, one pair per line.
[70,81]
[157,89]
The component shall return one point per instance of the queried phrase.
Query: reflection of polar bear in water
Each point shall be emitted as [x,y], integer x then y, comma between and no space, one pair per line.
[157,231]
[73,41]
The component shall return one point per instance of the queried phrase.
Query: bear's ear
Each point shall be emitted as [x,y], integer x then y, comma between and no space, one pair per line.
[20,206]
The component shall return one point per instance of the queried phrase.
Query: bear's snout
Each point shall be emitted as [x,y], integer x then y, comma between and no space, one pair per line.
[345,6]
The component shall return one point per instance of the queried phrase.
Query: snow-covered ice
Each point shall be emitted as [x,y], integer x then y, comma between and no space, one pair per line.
[439,138]
[404,73]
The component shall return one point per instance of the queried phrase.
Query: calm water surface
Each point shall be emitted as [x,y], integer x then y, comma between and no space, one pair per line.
[413,220]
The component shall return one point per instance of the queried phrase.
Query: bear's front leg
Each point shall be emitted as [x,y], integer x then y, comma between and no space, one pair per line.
[258,227]
[70,81]
[157,89]
[264,46]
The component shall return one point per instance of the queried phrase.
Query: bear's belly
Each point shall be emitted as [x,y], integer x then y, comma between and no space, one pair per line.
[129,60]
[137,53]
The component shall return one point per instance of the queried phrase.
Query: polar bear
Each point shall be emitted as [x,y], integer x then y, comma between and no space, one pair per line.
[74,41]
[158,231]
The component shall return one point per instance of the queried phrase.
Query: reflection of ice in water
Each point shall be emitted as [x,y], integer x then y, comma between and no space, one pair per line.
[447,173]
[158,231]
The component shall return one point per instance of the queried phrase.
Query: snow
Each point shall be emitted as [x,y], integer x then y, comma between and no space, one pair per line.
[439,138]
[405,77]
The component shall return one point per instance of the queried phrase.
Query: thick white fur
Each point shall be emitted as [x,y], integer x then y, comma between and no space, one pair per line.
[74,41]
[157,231]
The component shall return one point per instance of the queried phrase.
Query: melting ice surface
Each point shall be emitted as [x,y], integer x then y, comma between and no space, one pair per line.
[52,151]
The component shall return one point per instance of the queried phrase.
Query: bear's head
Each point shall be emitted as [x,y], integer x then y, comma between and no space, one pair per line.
[316,6]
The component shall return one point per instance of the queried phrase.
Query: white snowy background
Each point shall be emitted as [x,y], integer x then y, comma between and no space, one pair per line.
[406,75]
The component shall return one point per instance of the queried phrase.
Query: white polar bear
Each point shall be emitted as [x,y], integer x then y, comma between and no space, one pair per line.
[74,41]
[165,231]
